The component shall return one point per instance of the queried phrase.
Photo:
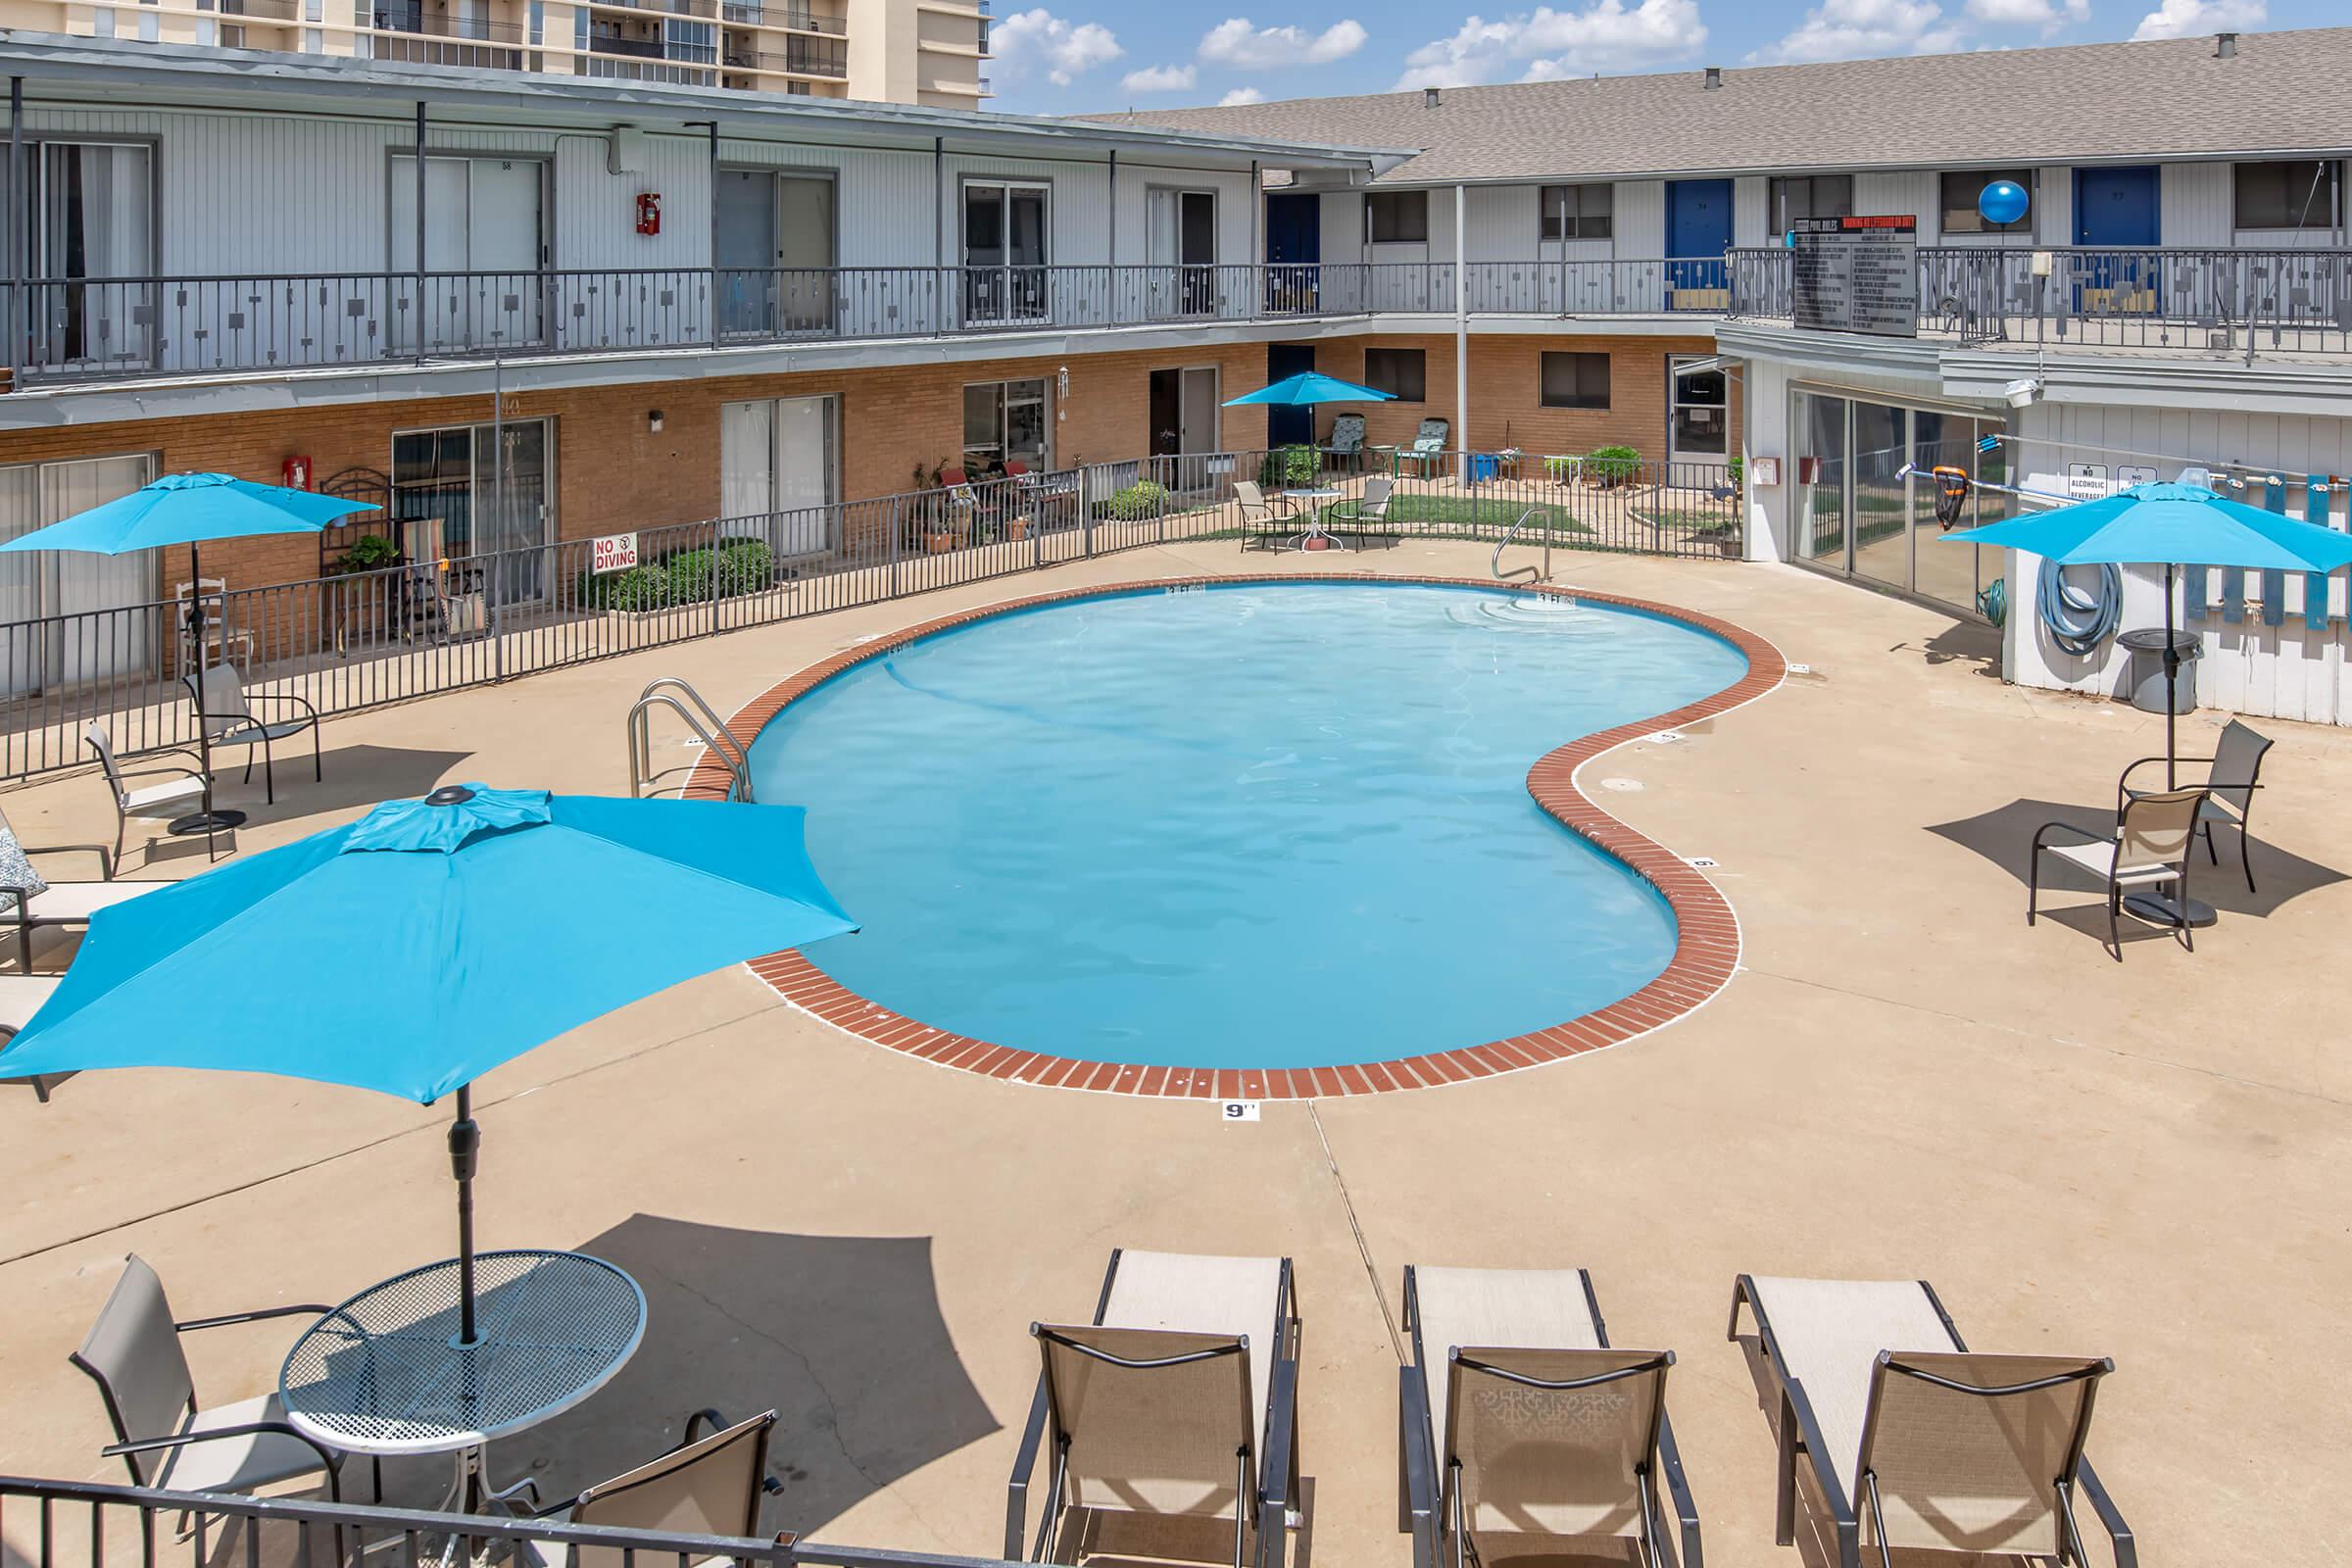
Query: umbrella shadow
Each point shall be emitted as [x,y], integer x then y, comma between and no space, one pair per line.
[842,1336]
[2005,837]
[355,776]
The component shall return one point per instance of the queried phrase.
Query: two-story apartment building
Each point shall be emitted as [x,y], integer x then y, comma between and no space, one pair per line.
[689,303]
[926,51]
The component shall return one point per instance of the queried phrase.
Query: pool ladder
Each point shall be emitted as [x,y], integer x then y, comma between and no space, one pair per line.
[1512,533]
[683,700]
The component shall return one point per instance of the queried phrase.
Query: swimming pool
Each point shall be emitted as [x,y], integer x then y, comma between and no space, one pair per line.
[1236,826]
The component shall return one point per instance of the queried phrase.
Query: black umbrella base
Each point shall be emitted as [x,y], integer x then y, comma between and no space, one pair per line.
[205,822]
[2161,908]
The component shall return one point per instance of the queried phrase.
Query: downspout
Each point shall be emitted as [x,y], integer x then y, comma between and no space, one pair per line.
[1113,256]
[1257,262]
[1461,334]
[18,236]
[714,256]
[939,234]
[422,333]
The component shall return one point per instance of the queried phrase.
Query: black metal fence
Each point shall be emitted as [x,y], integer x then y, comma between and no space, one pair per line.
[81,1523]
[358,640]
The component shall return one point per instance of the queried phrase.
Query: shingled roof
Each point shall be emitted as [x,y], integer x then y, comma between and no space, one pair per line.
[2282,93]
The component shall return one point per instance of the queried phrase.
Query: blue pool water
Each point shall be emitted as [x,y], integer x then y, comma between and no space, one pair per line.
[1269,826]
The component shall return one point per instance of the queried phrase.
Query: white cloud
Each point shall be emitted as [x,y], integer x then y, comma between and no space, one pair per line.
[2048,14]
[2182,19]
[1239,41]
[1064,48]
[1545,44]
[1852,29]
[1239,96]
[1161,78]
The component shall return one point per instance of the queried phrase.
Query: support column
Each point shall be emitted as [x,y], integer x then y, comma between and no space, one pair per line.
[939,234]
[1111,257]
[1257,260]
[1461,339]
[417,305]
[714,269]
[18,314]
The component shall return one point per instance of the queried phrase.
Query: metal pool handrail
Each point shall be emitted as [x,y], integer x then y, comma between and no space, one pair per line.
[1511,533]
[702,718]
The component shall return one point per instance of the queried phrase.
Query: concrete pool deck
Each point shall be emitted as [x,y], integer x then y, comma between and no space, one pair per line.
[2140,1160]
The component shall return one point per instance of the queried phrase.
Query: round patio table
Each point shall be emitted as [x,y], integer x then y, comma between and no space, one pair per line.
[385,1373]
[1321,497]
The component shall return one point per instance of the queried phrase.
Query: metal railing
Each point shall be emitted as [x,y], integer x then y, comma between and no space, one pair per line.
[86,1524]
[679,697]
[440,24]
[2233,301]
[806,56]
[354,641]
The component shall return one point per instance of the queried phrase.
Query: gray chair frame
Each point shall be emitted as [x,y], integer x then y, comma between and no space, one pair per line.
[1367,513]
[2115,888]
[1268,519]
[760,1436]
[128,1446]
[1799,1432]
[1423,1496]
[1350,451]
[23,918]
[1267,1502]
[118,782]
[2217,800]
[250,729]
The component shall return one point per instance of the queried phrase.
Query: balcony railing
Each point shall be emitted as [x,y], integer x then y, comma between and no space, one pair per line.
[807,58]
[431,25]
[706,9]
[672,49]
[751,13]
[2239,302]
[260,10]
[82,330]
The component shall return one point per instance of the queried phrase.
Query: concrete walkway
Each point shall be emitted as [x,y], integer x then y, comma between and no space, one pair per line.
[2140,1159]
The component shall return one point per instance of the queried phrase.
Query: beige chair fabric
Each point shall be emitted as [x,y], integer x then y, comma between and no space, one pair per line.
[1158,1439]
[1531,1308]
[1967,1472]
[1205,1293]
[20,996]
[711,1487]
[1830,1333]
[2151,841]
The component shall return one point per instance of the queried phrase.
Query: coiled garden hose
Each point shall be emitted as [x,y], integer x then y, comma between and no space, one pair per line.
[2078,622]
[1994,603]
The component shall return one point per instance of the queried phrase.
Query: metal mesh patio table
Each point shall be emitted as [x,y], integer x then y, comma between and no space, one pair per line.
[385,1373]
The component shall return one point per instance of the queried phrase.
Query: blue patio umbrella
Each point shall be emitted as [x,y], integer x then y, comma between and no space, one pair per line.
[1309,387]
[2171,525]
[189,508]
[494,920]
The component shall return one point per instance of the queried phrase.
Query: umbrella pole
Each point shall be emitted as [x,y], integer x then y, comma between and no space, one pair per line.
[208,820]
[2172,677]
[465,1143]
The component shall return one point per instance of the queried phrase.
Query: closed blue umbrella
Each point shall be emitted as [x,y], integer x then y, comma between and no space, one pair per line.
[1309,387]
[2171,525]
[189,508]
[504,917]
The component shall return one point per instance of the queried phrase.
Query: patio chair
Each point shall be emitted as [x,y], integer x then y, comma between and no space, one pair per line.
[29,899]
[20,996]
[161,1432]
[220,634]
[1909,1441]
[2150,847]
[705,1486]
[182,790]
[1524,1433]
[1346,441]
[1367,513]
[1426,451]
[227,710]
[2233,773]
[1169,1421]
[1261,518]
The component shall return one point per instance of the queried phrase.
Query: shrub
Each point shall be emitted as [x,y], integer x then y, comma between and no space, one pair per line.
[369,552]
[682,577]
[1736,471]
[1140,499]
[1289,467]
[1612,465]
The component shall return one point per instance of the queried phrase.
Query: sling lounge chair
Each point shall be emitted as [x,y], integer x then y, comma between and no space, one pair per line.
[1261,518]
[1524,1435]
[1426,451]
[182,790]
[2150,847]
[20,996]
[57,903]
[1910,1444]
[1346,441]
[711,1484]
[2233,773]
[1367,513]
[226,709]
[1167,1424]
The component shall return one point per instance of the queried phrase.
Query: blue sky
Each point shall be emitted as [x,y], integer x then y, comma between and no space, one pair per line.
[1076,56]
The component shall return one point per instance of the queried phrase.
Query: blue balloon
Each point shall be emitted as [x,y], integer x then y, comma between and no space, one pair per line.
[2003,201]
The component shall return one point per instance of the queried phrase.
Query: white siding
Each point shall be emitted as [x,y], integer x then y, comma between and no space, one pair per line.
[1751,212]
[2193,204]
[1880,194]
[1640,221]
[1342,226]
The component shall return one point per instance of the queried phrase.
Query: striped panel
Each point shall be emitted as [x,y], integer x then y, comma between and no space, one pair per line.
[2314,583]
[2274,583]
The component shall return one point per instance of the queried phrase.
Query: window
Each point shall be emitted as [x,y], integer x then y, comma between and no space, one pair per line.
[2304,193]
[1962,187]
[779,472]
[1006,422]
[1802,196]
[148,30]
[538,16]
[102,23]
[314,41]
[208,32]
[1575,380]
[1403,373]
[1586,208]
[1396,217]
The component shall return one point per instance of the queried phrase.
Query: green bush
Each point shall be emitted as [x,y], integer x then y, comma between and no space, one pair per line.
[1736,471]
[1140,499]
[369,552]
[682,577]
[1289,467]
[1612,465]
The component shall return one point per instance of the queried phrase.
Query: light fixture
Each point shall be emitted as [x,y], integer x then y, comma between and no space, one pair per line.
[1061,394]
[652,421]
[2023,393]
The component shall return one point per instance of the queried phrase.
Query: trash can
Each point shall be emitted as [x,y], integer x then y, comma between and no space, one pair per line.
[1483,467]
[2148,670]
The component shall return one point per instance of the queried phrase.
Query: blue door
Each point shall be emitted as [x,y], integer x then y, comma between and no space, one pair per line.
[2116,210]
[1699,230]
[1293,250]
[1292,425]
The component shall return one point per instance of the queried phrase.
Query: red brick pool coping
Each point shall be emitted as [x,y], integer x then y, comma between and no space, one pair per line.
[1707,948]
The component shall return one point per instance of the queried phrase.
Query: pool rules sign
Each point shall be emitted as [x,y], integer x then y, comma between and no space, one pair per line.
[1856,274]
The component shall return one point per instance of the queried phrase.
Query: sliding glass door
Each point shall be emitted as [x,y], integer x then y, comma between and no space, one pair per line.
[1004,227]
[474,491]
[38,588]
[91,215]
